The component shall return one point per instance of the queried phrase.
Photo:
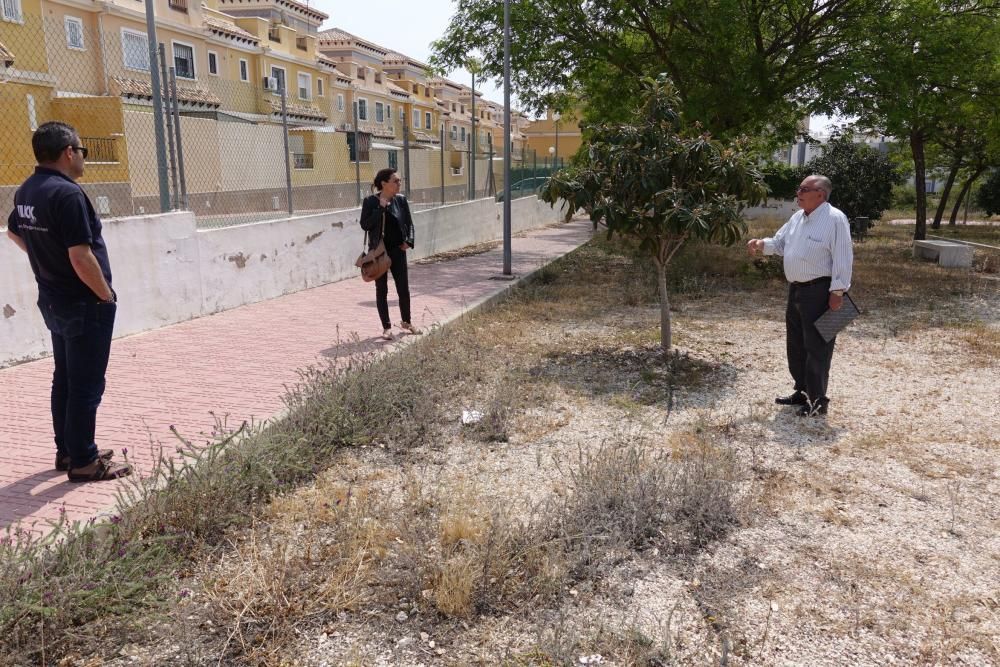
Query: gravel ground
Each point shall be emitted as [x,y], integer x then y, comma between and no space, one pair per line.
[871,537]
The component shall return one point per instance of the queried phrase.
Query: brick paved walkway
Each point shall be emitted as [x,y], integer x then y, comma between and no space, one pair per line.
[235,363]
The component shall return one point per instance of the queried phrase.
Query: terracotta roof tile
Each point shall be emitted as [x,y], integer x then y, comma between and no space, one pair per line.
[300,110]
[231,29]
[136,88]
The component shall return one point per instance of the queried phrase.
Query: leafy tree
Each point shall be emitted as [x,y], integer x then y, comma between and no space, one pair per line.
[739,66]
[662,182]
[935,59]
[862,177]
[988,197]
[966,149]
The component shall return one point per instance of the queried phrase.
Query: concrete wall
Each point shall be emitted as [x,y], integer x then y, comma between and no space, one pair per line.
[775,208]
[166,271]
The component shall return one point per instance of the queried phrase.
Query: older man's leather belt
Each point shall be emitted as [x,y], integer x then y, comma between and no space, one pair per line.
[812,282]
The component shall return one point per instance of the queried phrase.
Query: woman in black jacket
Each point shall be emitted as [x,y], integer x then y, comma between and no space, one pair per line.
[388,203]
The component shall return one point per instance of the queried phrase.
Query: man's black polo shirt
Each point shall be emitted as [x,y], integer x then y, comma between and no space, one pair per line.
[51,214]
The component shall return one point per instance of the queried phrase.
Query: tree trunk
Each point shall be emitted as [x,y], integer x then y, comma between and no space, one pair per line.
[919,172]
[665,338]
[946,193]
[963,194]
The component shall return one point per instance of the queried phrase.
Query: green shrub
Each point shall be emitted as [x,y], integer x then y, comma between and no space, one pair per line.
[988,196]
[863,178]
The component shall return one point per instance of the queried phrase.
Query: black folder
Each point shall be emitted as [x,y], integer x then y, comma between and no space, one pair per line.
[832,322]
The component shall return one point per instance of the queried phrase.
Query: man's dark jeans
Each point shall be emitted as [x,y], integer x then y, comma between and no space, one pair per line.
[81,345]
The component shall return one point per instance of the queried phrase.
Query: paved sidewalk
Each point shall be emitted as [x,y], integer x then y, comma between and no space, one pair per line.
[236,364]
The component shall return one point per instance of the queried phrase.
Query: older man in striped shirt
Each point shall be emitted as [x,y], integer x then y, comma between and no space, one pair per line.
[816,246]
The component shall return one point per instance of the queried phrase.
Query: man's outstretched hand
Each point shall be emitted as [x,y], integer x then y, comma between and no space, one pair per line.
[755,247]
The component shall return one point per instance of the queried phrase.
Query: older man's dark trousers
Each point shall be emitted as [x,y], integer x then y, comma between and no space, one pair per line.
[81,347]
[809,356]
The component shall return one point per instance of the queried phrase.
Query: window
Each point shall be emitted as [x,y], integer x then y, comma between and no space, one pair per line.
[365,143]
[74,32]
[416,118]
[244,70]
[462,135]
[213,63]
[319,87]
[305,86]
[362,110]
[135,50]
[12,10]
[340,102]
[427,120]
[393,160]
[278,74]
[388,113]
[379,112]
[454,132]
[183,60]
[402,115]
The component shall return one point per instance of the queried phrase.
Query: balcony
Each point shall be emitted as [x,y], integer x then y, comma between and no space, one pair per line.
[301,44]
[179,5]
[100,150]
[273,33]
[302,160]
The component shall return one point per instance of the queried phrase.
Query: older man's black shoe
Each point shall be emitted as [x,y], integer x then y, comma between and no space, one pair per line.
[817,408]
[798,398]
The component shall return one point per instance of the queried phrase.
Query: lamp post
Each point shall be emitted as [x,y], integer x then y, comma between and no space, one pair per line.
[552,156]
[506,139]
[555,158]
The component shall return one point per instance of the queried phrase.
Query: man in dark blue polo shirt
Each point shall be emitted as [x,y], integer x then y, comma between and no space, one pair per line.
[55,223]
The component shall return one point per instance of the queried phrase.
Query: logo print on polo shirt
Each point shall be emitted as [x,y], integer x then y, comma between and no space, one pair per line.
[26,212]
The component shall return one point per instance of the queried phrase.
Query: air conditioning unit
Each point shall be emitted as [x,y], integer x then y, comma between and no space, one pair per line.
[270,83]
[348,127]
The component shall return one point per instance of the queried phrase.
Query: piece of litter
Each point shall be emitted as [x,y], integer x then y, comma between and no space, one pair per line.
[471,417]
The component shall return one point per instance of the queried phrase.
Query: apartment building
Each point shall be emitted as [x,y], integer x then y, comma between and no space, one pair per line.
[87,62]
[554,137]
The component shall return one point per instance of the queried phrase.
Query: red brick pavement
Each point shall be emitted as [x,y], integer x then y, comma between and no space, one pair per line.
[234,364]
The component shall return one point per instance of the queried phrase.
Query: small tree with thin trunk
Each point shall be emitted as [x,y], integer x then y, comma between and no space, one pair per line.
[661,182]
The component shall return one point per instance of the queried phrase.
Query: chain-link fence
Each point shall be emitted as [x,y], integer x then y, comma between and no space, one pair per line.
[240,139]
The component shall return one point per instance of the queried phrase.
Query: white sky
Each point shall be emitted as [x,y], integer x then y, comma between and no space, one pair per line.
[406,27]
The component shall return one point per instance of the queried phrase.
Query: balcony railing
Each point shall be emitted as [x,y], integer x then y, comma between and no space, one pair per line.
[302,160]
[100,150]
[179,5]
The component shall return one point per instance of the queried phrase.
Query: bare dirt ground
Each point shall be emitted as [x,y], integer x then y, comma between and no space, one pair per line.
[870,537]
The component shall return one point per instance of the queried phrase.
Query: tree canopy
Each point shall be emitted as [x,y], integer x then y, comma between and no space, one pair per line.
[937,62]
[739,66]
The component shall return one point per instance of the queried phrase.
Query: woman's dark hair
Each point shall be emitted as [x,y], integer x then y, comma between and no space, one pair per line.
[51,139]
[381,177]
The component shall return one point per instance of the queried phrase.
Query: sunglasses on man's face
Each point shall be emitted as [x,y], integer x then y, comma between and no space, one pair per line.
[82,150]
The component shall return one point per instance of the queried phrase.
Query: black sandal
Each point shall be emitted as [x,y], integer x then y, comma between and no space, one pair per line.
[64,463]
[104,471]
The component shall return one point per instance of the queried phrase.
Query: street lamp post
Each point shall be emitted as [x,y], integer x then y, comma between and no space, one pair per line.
[555,159]
[506,139]
[552,156]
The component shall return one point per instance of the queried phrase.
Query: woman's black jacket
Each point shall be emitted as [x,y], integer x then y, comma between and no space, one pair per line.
[398,210]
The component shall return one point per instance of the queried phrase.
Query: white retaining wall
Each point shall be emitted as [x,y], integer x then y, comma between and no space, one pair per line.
[166,271]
